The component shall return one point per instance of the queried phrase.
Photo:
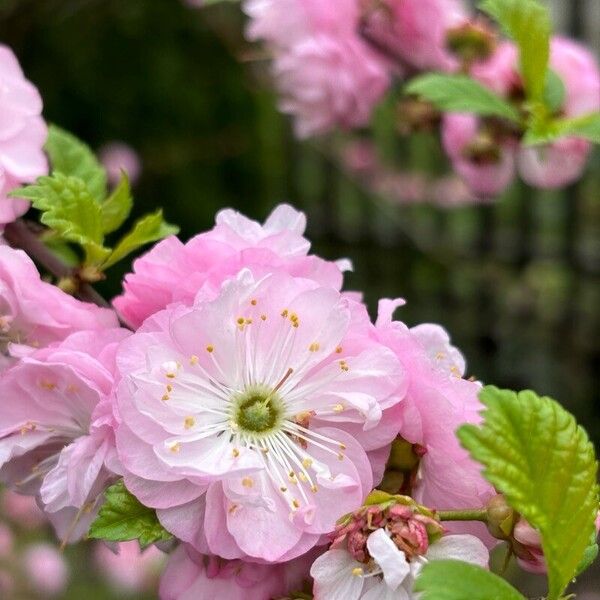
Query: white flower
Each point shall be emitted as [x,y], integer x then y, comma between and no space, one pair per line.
[390,576]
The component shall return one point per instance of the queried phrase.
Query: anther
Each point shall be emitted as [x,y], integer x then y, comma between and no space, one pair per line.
[189,422]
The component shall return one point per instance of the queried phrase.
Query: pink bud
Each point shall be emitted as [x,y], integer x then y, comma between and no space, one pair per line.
[46,569]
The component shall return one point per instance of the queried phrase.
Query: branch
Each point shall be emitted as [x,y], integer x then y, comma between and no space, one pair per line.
[20,235]
[474,514]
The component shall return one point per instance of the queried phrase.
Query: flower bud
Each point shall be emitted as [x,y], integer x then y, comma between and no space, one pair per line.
[527,546]
[501,517]
[471,41]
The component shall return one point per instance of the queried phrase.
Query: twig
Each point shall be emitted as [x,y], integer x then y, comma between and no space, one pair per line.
[20,235]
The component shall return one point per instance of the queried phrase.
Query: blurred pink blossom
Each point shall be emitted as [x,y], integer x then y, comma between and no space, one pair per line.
[326,73]
[416,30]
[117,157]
[22,510]
[487,168]
[129,569]
[23,133]
[327,82]
[563,161]
[488,157]
[46,568]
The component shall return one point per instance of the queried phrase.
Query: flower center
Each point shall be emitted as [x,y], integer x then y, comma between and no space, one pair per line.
[257,410]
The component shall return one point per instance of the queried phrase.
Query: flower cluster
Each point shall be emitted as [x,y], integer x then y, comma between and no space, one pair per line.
[238,408]
[253,405]
[333,63]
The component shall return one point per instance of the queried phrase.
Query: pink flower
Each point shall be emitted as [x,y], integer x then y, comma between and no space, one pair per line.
[46,569]
[23,133]
[326,73]
[563,161]
[437,402]
[117,157]
[56,429]
[218,406]
[327,81]
[284,23]
[128,569]
[190,576]
[486,165]
[175,272]
[488,158]
[33,313]
[416,31]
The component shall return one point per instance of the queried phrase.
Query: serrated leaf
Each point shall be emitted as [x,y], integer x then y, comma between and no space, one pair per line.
[528,23]
[534,453]
[70,211]
[456,580]
[150,228]
[122,518]
[70,156]
[459,93]
[116,208]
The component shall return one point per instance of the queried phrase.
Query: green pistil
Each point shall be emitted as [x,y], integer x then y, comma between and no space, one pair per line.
[257,410]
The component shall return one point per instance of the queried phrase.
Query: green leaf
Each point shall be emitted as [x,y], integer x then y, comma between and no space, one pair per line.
[586,127]
[458,93]
[116,208]
[589,556]
[377,497]
[122,518]
[69,209]
[528,23]
[70,156]
[534,453]
[456,580]
[150,228]
[555,91]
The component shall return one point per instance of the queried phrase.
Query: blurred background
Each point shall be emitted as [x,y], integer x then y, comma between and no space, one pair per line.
[516,283]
